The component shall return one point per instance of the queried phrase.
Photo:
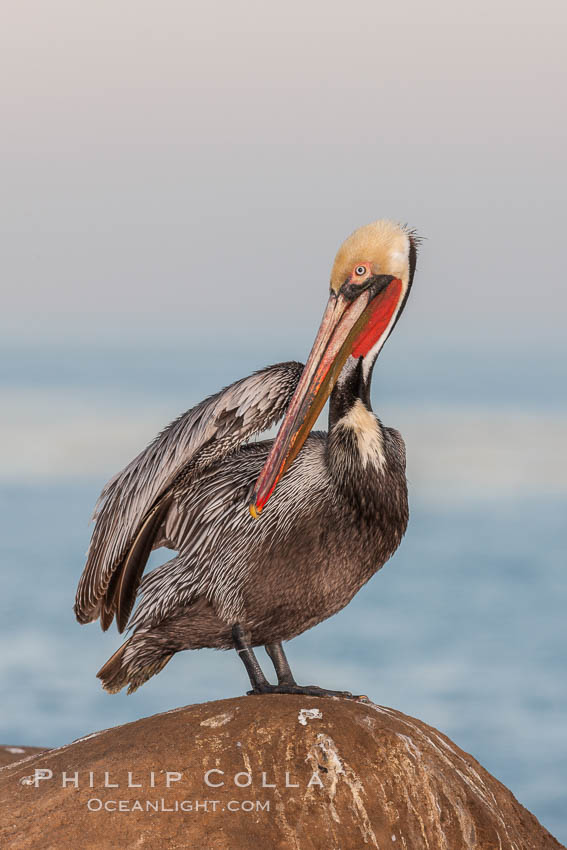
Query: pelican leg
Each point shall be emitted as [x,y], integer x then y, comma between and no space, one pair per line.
[281,664]
[286,682]
[260,684]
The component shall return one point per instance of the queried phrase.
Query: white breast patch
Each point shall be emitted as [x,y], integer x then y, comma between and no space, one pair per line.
[368,433]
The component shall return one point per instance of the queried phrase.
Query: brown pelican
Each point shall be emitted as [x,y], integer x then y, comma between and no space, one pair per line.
[337,514]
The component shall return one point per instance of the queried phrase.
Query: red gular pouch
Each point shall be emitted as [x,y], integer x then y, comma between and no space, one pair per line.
[381,311]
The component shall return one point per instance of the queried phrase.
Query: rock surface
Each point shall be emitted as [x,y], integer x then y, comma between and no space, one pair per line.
[297,774]
[10,754]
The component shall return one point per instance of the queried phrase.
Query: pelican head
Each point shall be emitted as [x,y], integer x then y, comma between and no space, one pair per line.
[370,282]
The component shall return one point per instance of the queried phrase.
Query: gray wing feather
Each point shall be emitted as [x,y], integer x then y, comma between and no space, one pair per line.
[198,438]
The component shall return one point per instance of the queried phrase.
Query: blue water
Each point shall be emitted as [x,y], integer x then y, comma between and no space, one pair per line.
[465,628]
[408,372]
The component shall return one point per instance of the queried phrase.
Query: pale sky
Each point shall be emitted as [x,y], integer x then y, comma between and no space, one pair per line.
[188,170]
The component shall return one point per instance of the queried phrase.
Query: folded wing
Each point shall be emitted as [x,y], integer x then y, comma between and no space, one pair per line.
[134,505]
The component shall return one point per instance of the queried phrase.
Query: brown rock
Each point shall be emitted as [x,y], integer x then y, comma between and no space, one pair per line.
[299,774]
[9,754]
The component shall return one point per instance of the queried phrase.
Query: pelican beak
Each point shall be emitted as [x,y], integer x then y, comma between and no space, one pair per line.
[352,322]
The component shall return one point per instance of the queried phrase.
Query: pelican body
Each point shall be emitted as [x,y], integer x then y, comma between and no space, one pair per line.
[271,537]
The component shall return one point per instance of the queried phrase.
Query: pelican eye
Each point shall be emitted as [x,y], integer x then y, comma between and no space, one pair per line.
[360,270]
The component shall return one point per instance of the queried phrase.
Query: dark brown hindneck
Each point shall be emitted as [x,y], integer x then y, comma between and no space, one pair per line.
[350,388]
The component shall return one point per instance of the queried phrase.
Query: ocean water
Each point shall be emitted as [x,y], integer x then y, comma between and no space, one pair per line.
[464,628]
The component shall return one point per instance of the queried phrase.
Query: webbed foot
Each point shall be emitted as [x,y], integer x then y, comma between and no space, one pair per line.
[305,690]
